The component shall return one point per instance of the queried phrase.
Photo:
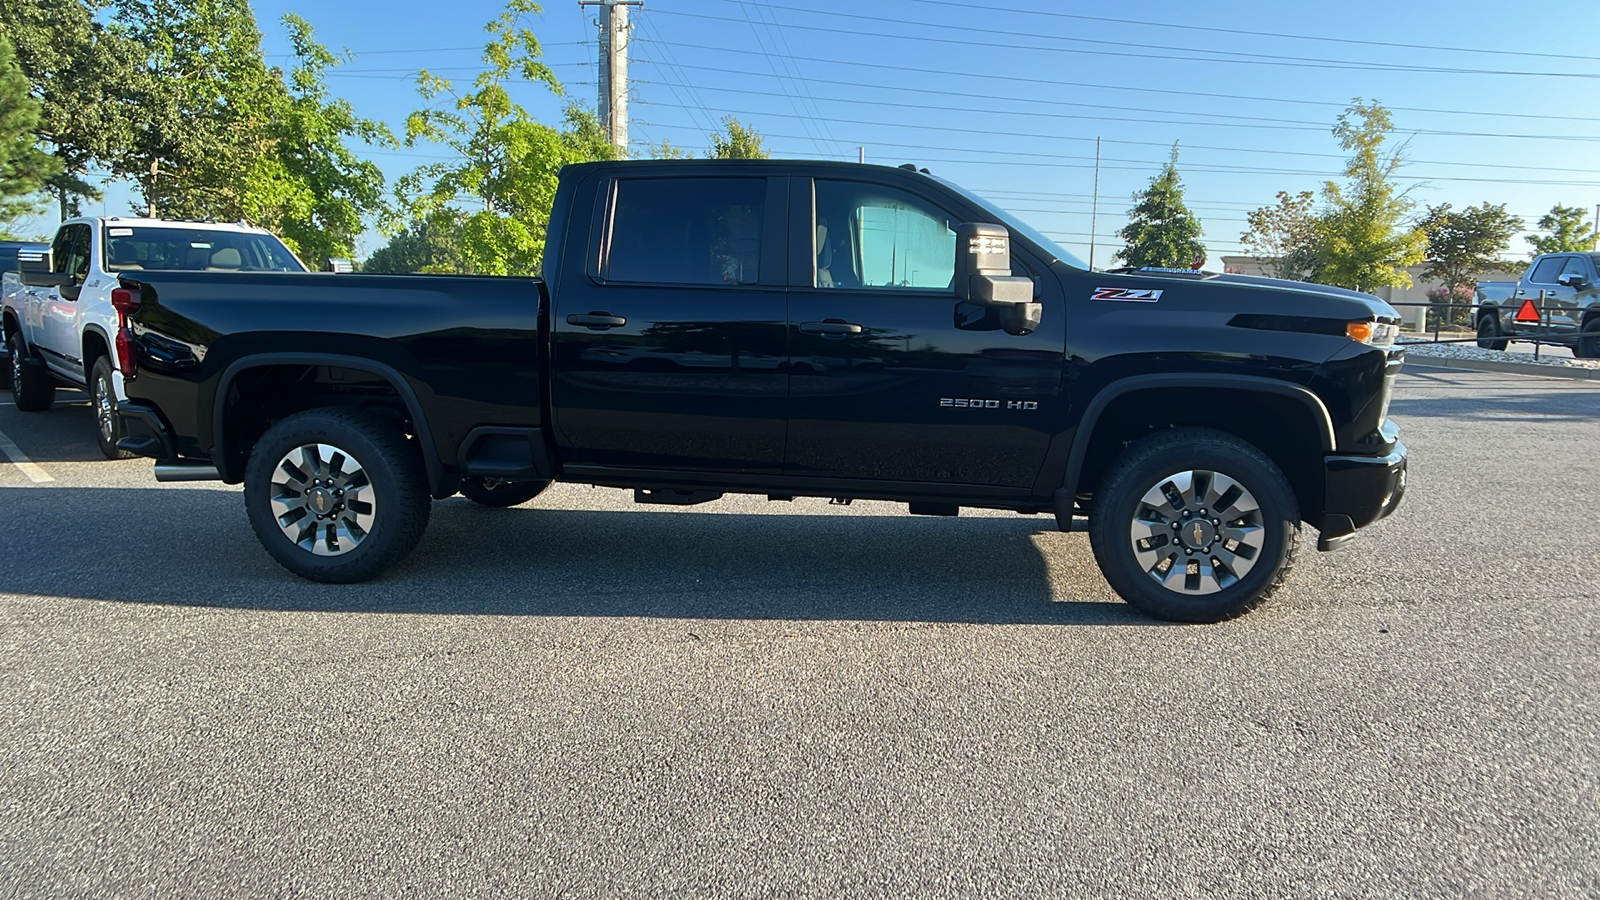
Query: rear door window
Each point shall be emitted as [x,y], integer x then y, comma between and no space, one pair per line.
[700,231]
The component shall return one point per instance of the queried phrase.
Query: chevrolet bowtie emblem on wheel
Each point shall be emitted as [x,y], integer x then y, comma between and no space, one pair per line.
[1199,535]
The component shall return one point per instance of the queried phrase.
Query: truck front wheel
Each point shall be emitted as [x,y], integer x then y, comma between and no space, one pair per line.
[1588,346]
[336,495]
[1194,525]
[31,387]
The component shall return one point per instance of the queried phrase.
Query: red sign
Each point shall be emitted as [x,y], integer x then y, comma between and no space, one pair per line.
[1528,312]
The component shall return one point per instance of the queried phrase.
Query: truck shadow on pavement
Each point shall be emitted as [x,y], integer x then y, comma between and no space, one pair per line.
[192,547]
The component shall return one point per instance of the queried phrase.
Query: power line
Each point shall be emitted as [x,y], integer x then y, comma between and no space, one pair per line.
[1271,34]
[1170,55]
[1114,141]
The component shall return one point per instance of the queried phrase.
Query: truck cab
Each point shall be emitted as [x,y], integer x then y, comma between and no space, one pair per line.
[60,323]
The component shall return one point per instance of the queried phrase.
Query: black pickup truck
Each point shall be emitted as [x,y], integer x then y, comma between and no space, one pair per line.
[791,329]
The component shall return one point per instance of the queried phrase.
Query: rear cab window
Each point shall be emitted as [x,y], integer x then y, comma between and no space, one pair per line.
[685,230]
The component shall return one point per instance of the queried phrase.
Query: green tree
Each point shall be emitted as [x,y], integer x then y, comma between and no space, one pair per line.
[79,70]
[310,187]
[23,166]
[1364,241]
[1568,228]
[1284,237]
[502,180]
[425,246]
[1463,245]
[666,150]
[1161,231]
[737,141]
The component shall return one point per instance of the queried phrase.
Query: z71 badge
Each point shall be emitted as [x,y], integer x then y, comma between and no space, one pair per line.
[1127,295]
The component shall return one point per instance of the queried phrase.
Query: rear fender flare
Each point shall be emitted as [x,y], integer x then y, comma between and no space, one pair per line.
[408,395]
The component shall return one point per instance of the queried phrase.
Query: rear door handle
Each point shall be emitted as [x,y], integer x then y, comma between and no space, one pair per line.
[830,326]
[596,320]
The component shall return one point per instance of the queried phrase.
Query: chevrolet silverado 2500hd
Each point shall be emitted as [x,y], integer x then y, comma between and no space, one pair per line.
[789,329]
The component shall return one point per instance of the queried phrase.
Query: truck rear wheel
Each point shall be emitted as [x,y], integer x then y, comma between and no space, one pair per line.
[1588,345]
[1194,525]
[501,494]
[336,495]
[31,386]
[1489,333]
[103,400]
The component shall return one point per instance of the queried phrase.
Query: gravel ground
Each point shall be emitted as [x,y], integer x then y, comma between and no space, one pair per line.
[585,698]
[1548,356]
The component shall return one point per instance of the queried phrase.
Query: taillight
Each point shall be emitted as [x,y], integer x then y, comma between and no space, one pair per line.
[125,302]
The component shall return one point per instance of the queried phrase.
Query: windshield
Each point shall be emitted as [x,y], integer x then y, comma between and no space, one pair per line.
[1019,226]
[196,250]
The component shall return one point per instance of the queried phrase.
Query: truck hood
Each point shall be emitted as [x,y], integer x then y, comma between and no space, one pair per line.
[1304,298]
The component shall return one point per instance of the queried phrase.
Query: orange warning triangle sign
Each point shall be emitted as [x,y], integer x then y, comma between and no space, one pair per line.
[1528,312]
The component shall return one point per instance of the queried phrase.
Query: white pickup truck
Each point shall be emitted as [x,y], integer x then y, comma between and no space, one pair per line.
[59,315]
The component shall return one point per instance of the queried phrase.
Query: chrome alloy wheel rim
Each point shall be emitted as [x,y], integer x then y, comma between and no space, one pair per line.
[16,369]
[104,408]
[1197,532]
[323,500]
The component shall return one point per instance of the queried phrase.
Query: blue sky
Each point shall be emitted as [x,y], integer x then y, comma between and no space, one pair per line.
[1007,97]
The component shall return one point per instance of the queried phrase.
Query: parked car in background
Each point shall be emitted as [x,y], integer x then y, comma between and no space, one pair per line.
[1563,287]
[8,280]
[59,313]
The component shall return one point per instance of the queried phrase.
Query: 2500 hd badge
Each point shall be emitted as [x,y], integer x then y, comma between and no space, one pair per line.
[963,403]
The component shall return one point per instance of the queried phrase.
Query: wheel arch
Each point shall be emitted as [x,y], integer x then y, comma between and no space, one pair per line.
[229,459]
[1286,421]
[95,345]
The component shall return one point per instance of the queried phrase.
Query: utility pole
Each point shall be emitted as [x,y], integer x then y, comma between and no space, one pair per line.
[861,157]
[1094,207]
[614,34]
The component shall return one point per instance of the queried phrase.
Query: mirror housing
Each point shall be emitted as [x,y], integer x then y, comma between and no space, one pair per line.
[1572,280]
[339,266]
[34,269]
[983,277]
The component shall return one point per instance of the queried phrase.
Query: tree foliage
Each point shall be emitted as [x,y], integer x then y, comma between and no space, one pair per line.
[1568,228]
[497,190]
[1365,241]
[737,141]
[1285,236]
[77,68]
[23,166]
[432,245]
[1464,245]
[1359,236]
[1161,231]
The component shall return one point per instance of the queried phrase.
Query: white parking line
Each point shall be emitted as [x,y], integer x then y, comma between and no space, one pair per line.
[21,461]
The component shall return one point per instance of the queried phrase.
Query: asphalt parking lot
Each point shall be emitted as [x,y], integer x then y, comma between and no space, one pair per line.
[586,698]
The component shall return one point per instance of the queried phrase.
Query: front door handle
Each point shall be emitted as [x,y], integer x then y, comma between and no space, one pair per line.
[830,326]
[599,321]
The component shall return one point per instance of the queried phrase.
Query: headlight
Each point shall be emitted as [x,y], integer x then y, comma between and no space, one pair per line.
[1378,334]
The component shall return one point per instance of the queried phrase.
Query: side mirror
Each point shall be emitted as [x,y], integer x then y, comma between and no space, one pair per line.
[1573,280]
[339,266]
[983,277]
[34,269]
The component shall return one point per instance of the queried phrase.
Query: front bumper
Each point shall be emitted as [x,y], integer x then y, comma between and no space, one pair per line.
[144,431]
[1359,490]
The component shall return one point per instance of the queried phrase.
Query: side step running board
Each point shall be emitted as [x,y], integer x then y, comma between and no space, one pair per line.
[671,497]
[187,471]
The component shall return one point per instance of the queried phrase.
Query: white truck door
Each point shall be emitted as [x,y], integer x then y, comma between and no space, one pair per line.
[61,307]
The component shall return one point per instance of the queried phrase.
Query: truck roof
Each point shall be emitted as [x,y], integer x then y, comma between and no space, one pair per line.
[141,222]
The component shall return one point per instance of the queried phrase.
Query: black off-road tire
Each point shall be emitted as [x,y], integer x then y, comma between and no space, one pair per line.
[32,388]
[502,494]
[392,465]
[103,402]
[1148,465]
[1489,335]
